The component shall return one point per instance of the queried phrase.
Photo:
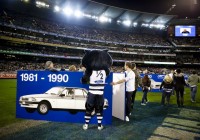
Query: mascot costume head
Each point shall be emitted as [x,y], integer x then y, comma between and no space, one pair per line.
[97,64]
[96,60]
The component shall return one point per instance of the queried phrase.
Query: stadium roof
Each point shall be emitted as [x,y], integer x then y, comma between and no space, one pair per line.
[115,13]
[181,8]
[157,13]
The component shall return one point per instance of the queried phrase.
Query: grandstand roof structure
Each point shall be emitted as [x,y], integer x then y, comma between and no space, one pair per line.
[115,13]
[155,12]
[139,11]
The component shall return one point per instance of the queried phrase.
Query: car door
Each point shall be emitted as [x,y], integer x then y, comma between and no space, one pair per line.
[66,100]
[80,99]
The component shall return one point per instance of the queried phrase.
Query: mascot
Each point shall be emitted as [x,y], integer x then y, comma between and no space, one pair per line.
[97,64]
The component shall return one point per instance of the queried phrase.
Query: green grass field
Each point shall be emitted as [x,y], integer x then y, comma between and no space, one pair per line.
[8,101]
[147,122]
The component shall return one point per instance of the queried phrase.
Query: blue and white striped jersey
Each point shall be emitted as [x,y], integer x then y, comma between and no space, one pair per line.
[97,82]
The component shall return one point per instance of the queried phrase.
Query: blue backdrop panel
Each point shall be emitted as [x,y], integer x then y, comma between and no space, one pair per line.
[37,82]
[157,80]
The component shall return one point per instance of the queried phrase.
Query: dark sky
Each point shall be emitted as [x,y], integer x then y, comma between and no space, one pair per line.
[184,8]
[144,5]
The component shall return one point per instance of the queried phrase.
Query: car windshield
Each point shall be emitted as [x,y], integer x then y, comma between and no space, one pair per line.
[54,91]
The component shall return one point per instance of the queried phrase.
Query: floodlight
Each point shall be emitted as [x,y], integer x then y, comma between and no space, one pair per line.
[41,4]
[145,25]
[119,21]
[103,19]
[151,25]
[25,0]
[87,15]
[156,62]
[127,22]
[94,17]
[160,26]
[68,11]
[174,5]
[78,13]
[57,8]
[134,24]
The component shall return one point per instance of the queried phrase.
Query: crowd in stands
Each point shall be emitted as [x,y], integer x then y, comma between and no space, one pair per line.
[14,66]
[88,46]
[186,41]
[65,53]
[74,31]
[28,22]
[81,32]
[18,26]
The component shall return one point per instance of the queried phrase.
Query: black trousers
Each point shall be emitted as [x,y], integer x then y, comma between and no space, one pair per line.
[133,96]
[94,102]
[179,96]
[128,102]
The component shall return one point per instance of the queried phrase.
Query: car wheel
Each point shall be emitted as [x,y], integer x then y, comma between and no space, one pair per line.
[43,108]
[30,110]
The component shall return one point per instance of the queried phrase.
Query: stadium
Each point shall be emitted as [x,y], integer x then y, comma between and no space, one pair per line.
[158,39]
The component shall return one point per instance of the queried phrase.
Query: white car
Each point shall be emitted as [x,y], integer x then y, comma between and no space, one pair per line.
[155,85]
[70,98]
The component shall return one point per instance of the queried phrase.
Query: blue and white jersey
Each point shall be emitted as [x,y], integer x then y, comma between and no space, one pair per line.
[97,82]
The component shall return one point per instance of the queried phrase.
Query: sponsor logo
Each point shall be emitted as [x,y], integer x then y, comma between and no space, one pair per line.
[8,75]
[160,76]
[99,81]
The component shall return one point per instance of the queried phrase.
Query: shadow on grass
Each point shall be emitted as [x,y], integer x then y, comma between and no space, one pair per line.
[143,122]
[161,136]
[192,127]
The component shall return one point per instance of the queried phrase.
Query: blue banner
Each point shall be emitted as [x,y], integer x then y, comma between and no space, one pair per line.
[156,80]
[57,96]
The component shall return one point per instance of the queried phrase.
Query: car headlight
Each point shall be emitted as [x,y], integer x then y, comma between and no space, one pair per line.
[105,102]
[32,99]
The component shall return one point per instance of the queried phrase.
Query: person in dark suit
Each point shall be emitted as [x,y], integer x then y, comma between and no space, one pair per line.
[185,31]
[138,82]
[146,86]
[179,83]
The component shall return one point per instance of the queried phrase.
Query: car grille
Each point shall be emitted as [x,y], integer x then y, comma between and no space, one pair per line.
[25,99]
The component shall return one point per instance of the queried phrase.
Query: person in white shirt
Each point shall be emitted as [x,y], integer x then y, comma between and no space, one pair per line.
[130,86]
